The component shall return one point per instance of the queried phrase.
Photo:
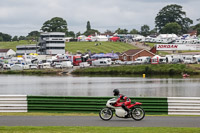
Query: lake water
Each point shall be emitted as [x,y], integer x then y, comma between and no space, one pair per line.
[98,86]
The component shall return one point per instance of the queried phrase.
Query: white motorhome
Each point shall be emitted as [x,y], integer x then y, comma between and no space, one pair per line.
[102,62]
[191,59]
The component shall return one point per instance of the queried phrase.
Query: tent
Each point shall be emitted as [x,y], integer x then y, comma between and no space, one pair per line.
[108,55]
[114,38]
[33,54]
[100,38]
[155,59]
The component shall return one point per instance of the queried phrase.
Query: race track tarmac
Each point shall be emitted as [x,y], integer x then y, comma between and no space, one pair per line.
[148,121]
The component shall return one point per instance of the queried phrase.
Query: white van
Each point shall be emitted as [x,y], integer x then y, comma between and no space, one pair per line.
[102,62]
[143,60]
[190,60]
[66,64]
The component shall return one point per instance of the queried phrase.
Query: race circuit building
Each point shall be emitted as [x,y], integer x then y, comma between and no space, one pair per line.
[50,43]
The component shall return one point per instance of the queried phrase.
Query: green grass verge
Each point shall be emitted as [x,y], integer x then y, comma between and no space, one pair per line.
[157,69]
[76,129]
[34,72]
[47,114]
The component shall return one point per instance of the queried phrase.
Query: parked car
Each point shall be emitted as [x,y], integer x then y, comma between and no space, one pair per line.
[84,64]
[57,65]
[129,62]
[120,62]
[90,61]
[44,66]
[33,66]
[6,66]
[176,61]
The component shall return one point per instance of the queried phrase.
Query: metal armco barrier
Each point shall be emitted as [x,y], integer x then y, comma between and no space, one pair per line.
[184,105]
[23,103]
[13,103]
[89,104]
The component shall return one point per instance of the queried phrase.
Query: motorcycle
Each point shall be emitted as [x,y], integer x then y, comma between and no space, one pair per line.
[135,111]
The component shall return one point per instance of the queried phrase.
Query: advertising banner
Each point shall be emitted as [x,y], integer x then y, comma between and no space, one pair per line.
[173,47]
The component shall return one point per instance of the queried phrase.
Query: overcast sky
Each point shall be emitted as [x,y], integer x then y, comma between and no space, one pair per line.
[19,17]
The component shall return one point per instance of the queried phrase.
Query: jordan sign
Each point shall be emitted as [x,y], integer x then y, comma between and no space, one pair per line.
[172,47]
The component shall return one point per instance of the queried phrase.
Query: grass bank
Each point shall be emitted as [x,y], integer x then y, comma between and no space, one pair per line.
[125,70]
[74,47]
[47,114]
[12,45]
[158,69]
[77,129]
[34,72]
[104,47]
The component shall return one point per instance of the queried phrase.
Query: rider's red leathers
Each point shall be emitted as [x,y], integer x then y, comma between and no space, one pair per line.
[126,101]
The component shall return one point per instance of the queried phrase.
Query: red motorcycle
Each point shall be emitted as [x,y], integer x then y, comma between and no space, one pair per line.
[136,112]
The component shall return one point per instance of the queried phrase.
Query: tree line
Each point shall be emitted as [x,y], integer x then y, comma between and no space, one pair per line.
[170,19]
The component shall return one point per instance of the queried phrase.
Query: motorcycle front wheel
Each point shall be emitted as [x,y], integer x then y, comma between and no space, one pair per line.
[106,114]
[137,113]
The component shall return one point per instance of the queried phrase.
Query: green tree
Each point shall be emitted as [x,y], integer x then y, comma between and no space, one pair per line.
[91,32]
[134,31]
[5,37]
[88,27]
[145,30]
[56,24]
[34,34]
[172,13]
[108,32]
[153,31]
[172,28]
[15,38]
[121,31]
[22,38]
[196,26]
[1,38]
[78,34]
[70,34]
[198,31]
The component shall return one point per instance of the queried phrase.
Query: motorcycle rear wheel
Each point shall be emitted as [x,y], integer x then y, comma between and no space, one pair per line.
[106,114]
[137,113]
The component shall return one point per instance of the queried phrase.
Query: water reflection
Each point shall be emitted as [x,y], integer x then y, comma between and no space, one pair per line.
[98,86]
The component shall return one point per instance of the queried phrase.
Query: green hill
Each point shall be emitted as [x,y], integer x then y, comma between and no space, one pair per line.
[73,47]
[102,47]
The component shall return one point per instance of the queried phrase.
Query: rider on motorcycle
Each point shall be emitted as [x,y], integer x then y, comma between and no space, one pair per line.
[126,100]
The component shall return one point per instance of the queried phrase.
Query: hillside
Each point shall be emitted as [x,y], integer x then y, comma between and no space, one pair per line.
[103,47]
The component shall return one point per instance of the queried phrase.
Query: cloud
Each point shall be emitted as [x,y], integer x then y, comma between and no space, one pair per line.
[21,17]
